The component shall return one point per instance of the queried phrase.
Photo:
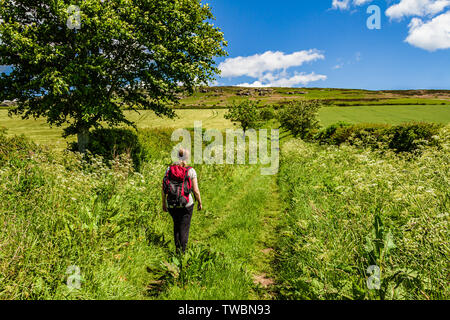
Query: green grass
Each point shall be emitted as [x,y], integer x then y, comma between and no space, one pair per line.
[350,208]
[384,114]
[311,233]
[231,225]
[391,102]
[211,119]
[58,211]
[314,236]
[40,132]
[221,97]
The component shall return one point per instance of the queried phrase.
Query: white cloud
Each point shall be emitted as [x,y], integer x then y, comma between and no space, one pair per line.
[361,2]
[345,4]
[270,69]
[297,79]
[401,9]
[255,66]
[430,32]
[432,35]
[340,4]
[421,8]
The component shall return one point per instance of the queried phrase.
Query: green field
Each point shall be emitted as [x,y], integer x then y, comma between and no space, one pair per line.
[385,114]
[40,132]
[309,232]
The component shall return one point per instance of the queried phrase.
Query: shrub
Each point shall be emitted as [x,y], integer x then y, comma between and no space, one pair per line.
[267,113]
[363,134]
[110,143]
[16,149]
[155,144]
[328,134]
[411,136]
[244,113]
[406,137]
[140,145]
[300,118]
[67,211]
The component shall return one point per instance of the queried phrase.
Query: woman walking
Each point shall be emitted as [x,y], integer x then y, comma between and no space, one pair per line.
[179,182]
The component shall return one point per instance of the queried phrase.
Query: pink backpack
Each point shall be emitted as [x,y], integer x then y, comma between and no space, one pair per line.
[177,186]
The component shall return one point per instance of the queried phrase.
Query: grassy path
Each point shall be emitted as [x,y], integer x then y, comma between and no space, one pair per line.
[233,239]
[265,276]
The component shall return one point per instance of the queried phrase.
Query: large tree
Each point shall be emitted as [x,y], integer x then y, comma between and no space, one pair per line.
[82,67]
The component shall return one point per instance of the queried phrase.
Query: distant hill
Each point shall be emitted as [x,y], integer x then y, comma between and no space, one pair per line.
[220,97]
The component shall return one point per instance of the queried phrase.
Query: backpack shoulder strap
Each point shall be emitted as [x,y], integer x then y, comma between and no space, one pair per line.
[187,177]
[168,171]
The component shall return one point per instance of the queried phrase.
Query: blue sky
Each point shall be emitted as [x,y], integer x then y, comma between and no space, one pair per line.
[326,43]
[345,53]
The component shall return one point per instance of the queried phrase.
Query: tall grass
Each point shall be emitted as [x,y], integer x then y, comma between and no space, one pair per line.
[350,208]
[58,210]
[347,208]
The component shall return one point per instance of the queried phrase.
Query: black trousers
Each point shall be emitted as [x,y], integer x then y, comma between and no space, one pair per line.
[181,225]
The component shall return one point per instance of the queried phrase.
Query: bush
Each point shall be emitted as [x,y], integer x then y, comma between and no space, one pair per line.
[267,113]
[411,136]
[328,134]
[156,144]
[67,211]
[140,145]
[17,149]
[406,137]
[111,143]
[300,118]
[363,134]
[245,113]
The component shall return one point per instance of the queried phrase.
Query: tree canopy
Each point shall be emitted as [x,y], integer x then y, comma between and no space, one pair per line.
[81,62]
[245,113]
[300,117]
